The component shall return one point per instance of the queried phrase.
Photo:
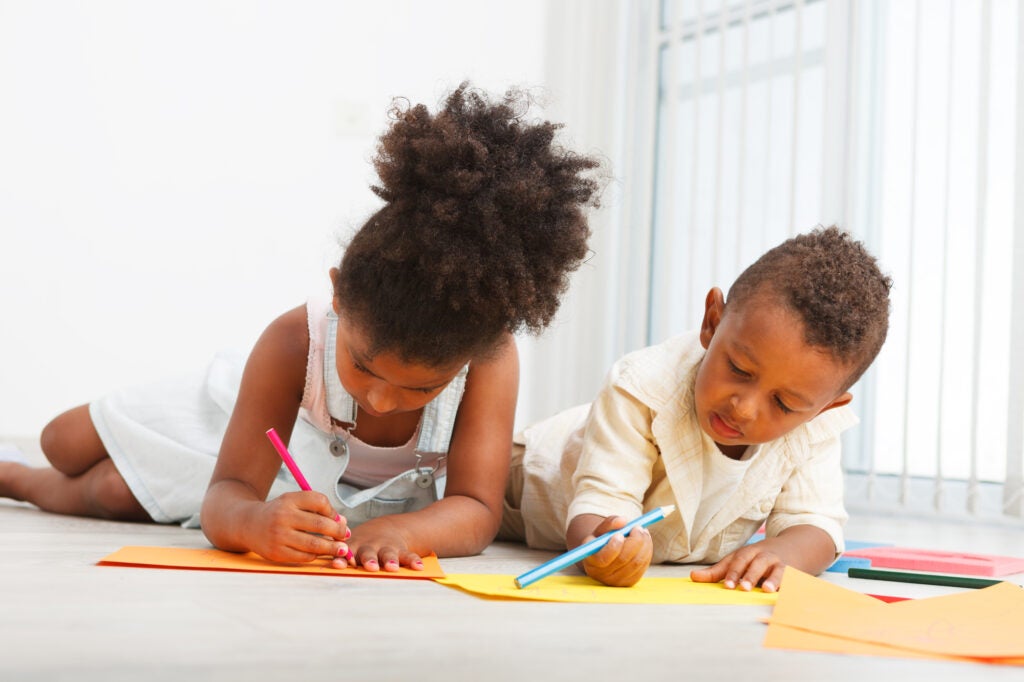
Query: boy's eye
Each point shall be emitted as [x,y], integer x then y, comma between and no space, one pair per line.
[360,368]
[737,370]
[782,406]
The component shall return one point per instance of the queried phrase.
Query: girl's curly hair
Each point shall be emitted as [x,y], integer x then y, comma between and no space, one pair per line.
[833,284]
[483,222]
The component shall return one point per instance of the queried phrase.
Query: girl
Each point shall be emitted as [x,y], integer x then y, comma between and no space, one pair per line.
[407,373]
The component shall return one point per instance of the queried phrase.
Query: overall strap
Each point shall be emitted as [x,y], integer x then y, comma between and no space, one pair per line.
[438,420]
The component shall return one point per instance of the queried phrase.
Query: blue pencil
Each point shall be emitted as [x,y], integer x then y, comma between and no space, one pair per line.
[592,547]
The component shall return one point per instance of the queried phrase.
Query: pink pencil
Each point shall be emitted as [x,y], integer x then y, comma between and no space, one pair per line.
[290,462]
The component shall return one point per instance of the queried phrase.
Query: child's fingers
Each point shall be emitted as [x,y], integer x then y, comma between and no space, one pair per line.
[608,554]
[762,567]
[324,519]
[412,560]
[711,574]
[626,560]
[301,547]
[727,571]
[774,579]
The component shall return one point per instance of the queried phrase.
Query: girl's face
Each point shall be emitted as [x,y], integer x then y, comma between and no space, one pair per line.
[385,384]
[759,379]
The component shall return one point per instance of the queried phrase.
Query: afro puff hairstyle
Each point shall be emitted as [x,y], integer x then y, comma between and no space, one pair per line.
[483,221]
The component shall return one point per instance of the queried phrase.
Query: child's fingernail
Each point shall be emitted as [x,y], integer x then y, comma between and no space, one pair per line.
[348,533]
[391,565]
[342,549]
[417,564]
[768,586]
[729,584]
[371,565]
[745,585]
[350,556]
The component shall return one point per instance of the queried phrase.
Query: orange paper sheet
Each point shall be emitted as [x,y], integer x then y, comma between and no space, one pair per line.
[985,625]
[216,560]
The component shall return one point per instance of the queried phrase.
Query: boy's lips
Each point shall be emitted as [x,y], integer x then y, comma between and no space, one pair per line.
[723,428]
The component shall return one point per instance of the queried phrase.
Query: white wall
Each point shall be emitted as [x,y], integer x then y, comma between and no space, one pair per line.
[173,175]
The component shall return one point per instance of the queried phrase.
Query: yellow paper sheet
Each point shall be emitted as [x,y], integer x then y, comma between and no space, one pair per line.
[216,560]
[984,625]
[564,588]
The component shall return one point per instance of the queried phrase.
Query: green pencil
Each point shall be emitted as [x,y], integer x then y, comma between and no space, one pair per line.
[920,578]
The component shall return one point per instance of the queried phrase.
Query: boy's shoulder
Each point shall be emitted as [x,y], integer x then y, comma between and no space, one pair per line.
[827,425]
[657,374]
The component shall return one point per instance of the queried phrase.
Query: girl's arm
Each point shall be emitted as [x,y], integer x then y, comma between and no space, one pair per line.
[467,519]
[235,515]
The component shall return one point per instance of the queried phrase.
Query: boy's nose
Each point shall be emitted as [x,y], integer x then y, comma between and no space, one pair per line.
[743,409]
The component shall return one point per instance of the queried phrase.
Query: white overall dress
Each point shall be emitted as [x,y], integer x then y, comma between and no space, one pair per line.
[164,438]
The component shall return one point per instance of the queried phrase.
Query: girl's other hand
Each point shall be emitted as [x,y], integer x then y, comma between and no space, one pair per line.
[298,527]
[380,545]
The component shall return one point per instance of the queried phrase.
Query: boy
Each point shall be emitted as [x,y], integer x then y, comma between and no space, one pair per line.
[737,425]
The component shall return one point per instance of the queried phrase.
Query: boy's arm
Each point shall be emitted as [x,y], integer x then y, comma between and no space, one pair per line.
[804,529]
[612,475]
[805,547]
[617,456]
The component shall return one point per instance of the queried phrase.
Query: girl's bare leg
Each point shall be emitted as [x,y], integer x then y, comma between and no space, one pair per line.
[71,443]
[83,480]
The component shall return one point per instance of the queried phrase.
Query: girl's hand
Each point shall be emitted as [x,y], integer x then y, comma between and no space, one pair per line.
[624,560]
[298,527]
[380,544]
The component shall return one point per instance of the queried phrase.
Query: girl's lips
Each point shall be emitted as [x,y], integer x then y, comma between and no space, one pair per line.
[722,428]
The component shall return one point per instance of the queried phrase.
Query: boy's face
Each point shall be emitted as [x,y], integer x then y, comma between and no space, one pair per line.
[759,379]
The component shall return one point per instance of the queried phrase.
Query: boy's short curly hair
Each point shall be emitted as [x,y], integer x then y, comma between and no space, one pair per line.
[483,222]
[833,284]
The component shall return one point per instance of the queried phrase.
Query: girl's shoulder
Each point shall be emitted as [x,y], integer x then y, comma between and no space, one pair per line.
[284,344]
[289,330]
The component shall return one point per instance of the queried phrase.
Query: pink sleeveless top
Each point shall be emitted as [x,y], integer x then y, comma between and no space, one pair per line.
[369,464]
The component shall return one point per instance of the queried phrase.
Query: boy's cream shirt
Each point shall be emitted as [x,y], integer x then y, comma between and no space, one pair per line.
[639,446]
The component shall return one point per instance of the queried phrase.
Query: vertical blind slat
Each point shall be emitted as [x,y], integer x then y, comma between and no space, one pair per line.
[798,11]
[940,453]
[980,229]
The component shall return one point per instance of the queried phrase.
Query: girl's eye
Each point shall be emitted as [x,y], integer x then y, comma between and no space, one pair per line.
[782,405]
[360,368]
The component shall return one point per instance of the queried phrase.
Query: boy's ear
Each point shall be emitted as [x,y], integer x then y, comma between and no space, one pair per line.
[714,306]
[843,399]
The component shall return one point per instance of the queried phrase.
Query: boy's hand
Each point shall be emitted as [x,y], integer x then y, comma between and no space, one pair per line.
[298,527]
[624,560]
[803,547]
[747,567]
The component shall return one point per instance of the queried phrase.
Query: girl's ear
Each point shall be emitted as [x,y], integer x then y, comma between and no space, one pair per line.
[334,287]
[714,306]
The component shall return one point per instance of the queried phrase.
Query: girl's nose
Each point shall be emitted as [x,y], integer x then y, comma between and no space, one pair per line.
[382,398]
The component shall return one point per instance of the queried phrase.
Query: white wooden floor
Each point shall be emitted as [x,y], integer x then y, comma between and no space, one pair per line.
[64,618]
